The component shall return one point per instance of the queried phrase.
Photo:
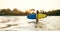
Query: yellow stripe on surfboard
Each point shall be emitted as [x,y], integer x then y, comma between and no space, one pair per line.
[41,16]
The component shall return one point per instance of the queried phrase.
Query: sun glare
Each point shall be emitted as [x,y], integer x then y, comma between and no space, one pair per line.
[46,5]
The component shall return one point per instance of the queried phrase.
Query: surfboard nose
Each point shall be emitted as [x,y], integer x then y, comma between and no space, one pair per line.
[31,16]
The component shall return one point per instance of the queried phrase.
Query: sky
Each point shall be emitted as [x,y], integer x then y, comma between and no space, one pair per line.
[28,4]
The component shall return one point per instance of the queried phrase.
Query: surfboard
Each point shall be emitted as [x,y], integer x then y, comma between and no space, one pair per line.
[31,16]
[39,16]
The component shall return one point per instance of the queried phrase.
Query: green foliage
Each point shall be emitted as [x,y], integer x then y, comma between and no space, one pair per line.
[16,12]
[53,13]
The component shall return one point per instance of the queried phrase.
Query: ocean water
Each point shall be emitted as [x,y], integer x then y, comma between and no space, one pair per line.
[22,23]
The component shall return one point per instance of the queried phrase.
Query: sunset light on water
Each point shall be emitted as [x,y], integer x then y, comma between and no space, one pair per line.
[29,15]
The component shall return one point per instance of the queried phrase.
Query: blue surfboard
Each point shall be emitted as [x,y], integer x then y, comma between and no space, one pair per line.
[31,16]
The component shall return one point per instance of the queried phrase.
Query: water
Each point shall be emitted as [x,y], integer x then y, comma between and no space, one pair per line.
[21,23]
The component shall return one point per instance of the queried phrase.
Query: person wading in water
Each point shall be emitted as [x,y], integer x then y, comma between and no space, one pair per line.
[37,16]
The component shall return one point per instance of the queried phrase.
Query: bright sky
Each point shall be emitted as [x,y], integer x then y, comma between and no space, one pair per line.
[26,4]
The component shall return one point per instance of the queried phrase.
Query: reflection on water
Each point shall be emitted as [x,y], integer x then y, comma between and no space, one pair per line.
[39,25]
[21,23]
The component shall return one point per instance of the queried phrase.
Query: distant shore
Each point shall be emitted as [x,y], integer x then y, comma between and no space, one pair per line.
[16,12]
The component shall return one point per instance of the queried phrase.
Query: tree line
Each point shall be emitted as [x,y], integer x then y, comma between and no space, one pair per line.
[16,12]
[53,13]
